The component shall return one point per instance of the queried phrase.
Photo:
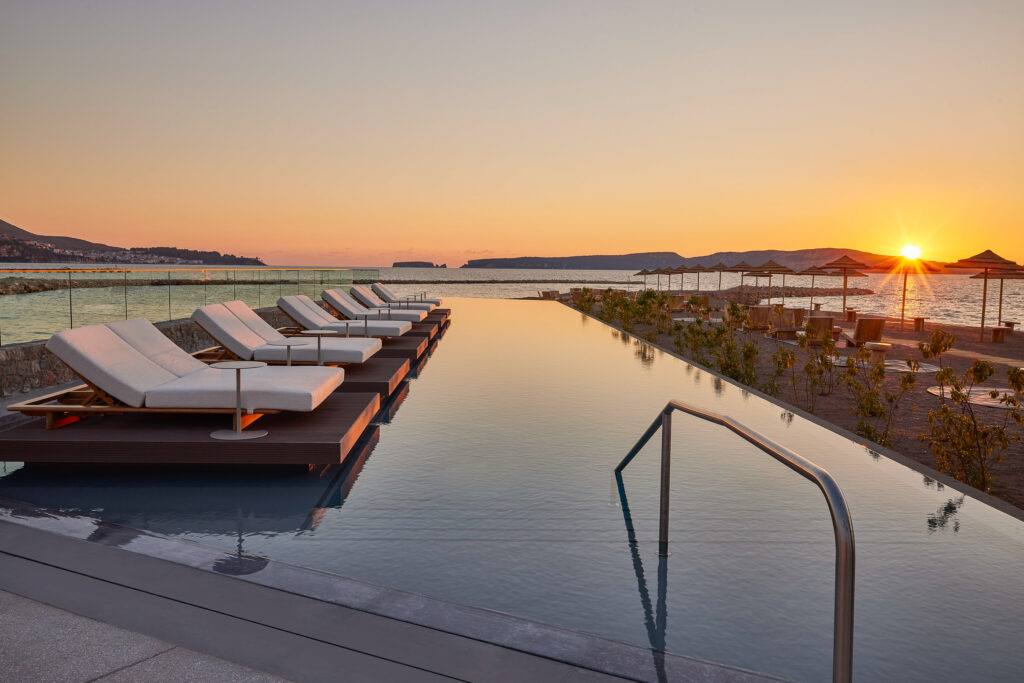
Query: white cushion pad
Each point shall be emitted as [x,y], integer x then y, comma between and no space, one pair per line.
[145,338]
[96,353]
[298,388]
[352,350]
[225,327]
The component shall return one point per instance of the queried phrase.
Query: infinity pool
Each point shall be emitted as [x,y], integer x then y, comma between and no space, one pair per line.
[492,486]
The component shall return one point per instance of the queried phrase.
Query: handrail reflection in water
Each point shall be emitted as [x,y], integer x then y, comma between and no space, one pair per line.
[842,524]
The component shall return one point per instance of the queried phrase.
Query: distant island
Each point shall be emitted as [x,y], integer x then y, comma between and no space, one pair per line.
[417,264]
[18,245]
[797,259]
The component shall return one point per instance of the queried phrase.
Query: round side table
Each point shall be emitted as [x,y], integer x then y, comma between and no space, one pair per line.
[237,434]
[320,334]
[289,342]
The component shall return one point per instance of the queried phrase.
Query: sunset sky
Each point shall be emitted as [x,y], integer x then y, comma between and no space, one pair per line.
[334,133]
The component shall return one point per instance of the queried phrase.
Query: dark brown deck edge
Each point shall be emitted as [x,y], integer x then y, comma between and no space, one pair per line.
[424,329]
[382,375]
[323,436]
[402,347]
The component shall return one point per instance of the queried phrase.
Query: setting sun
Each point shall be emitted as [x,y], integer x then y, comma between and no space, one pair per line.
[911,252]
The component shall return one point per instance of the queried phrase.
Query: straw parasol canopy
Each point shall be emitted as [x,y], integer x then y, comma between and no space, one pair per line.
[846,265]
[644,273]
[986,261]
[741,268]
[682,270]
[773,268]
[903,265]
[1001,275]
[719,268]
[814,272]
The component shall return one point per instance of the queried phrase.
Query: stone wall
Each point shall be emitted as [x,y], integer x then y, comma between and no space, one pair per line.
[30,367]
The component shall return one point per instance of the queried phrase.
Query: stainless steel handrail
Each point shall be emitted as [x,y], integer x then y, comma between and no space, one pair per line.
[842,524]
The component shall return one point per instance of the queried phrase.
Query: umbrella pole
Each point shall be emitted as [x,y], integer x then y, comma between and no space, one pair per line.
[698,282]
[783,289]
[984,299]
[769,289]
[843,312]
[903,308]
[719,281]
[1001,280]
[812,294]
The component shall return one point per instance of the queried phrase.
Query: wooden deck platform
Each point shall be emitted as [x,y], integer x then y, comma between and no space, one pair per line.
[323,436]
[382,375]
[403,347]
[423,329]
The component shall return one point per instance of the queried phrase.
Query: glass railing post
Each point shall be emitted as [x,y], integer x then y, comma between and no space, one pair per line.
[666,468]
[125,294]
[71,308]
[168,295]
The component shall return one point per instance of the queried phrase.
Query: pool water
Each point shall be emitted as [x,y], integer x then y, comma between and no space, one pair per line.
[492,486]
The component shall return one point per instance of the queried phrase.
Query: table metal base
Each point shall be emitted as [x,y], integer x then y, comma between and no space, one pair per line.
[232,435]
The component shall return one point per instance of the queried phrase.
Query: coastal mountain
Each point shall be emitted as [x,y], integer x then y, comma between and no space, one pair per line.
[797,259]
[18,245]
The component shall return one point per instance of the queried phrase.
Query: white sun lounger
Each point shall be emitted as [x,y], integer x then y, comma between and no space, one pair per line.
[130,367]
[387,295]
[309,316]
[353,310]
[366,297]
[245,335]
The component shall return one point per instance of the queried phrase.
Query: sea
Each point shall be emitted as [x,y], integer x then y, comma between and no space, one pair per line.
[952,299]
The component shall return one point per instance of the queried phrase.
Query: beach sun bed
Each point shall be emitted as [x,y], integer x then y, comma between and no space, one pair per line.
[309,316]
[344,304]
[131,367]
[368,298]
[244,335]
[388,296]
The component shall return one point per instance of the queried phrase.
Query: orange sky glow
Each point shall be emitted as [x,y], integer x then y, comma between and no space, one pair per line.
[334,134]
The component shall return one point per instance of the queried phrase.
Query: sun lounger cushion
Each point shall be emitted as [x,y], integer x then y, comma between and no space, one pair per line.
[388,295]
[306,313]
[352,309]
[228,330]
[109,362]
[145,338]
[253,321]
[298,388]
[242,331]
[367,297]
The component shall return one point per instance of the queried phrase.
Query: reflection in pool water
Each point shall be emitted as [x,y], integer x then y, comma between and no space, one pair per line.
[490,487]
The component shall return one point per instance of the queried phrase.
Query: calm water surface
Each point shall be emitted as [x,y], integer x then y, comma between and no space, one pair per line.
[493,487]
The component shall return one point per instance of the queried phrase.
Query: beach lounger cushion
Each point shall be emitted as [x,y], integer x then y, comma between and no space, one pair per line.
[298,389]
[352,309]
[145,338]
[306,313]
[225,327]
[388,294]
[243,332]
[368,298]
[109,362]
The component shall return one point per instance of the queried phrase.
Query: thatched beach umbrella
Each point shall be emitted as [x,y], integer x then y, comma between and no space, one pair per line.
[814,272]
[757,275]
[719,268]
[741,268]
[986,261]
[846,266]
[682,270]
[903,265]
[773,268]
[1001,276]
[644,273]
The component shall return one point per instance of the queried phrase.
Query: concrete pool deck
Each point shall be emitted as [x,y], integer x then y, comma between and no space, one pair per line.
[170,617]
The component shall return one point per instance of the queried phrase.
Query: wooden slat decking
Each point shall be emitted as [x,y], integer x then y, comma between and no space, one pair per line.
[323,436]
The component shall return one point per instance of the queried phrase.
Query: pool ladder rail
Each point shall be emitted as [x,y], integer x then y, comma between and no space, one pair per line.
[842,524]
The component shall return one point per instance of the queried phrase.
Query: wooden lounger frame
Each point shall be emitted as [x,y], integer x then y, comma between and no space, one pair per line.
[66,406]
